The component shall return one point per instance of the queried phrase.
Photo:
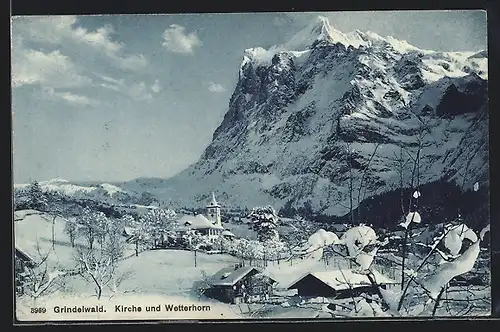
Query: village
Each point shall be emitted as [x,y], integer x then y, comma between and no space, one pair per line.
[261,265]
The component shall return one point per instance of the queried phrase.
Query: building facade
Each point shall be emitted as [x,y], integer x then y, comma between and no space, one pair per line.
[239,284]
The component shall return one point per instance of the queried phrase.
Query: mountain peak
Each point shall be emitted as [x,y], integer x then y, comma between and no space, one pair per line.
[321,26]
[318,29]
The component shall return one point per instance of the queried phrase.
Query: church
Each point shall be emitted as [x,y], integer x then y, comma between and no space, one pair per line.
[209,225]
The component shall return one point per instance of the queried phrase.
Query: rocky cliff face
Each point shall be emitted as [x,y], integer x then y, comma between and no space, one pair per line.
[328,120]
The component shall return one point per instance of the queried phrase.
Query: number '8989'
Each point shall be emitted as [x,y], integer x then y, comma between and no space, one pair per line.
[38,310]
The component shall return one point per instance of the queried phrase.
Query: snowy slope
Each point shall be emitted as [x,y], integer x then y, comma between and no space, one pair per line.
[33,235]
[305,116]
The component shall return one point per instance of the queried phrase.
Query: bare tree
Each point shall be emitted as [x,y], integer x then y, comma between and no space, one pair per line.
[99,267]
[37,278]
[361,197]
[194,241]
[203,285]
[401,160]
[88,225]
[159,222]
[296,239]
[71,228]
[349,159]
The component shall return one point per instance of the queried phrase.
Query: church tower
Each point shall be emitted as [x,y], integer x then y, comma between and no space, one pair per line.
[213,211]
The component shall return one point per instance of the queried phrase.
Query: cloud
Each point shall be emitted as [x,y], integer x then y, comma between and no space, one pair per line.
[51,69]
[62,29]
[77,99]
[176,40]
[137,91]
[215,87]
[111,80]
[68,97]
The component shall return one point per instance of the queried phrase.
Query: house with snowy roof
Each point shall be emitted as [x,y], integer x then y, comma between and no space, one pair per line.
[339,284]
[239,284]
[23,259]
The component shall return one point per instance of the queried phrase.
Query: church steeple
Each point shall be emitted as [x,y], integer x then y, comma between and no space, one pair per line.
[213,211]
[213,202]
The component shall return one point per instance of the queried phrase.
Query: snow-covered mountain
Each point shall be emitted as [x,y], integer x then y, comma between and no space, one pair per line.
[308,117]
[96,191]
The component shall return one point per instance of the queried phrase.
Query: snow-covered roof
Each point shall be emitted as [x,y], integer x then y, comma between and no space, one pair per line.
[129,230]
[227,233]
[197,222]
[229,276]
[345,279]
[24,255]
[33,238]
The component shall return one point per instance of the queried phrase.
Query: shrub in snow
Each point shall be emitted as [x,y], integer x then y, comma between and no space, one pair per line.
[318,241]
[323,238]
[356,239]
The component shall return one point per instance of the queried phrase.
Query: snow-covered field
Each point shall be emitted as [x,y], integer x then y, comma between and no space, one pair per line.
[33,235]
[169,272]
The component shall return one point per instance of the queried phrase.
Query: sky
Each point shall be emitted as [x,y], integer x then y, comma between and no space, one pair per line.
[117,97]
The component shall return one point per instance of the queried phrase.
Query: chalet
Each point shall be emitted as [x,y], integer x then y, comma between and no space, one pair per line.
[468,279]
[239,284]
[23,259]
[339,284]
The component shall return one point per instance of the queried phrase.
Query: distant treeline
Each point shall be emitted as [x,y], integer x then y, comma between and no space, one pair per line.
[440,201]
